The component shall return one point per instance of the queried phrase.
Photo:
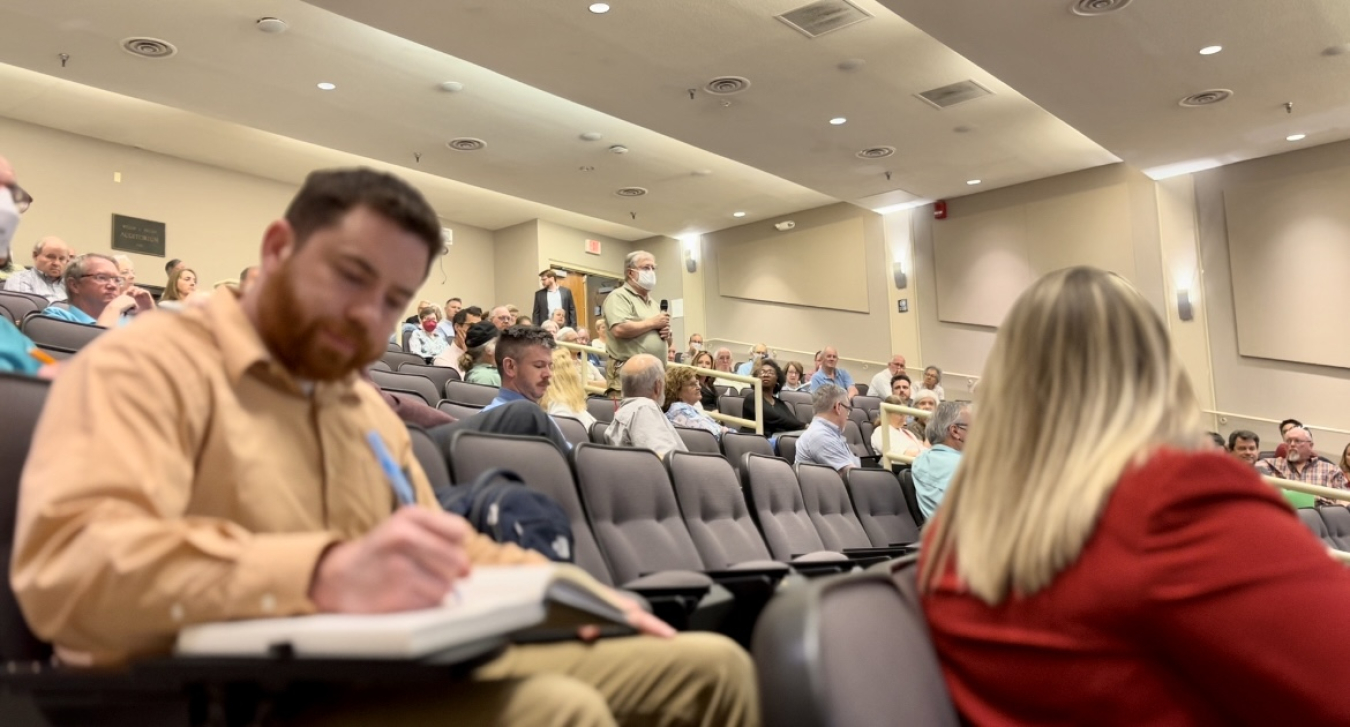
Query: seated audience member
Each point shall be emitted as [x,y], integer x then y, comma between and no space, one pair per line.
[549,327]
[934,468]
[456,347]
[126,270]
[927,401]
[682,399]
[584,338]
[831,374]
[566,394]
[141,515]
[515,314]
[639,421]
[707,391]
[695,345]
[1287,424]
[480,360]
[1301,463]
[902,439]
[1244,445]
[722,362]
[932,381]
[1069,532]
[795,377]
[18,353]
[424,342]
[824,442]
[92,290]
[524,357]
[559,318]
[588,370]
[758,353]
[446,328]
[502,318]
[778,415]
[50,257]
[523,321]
[900,389]
[601,332]
[173,266]
[881,382]
[1217,440]
[182,283]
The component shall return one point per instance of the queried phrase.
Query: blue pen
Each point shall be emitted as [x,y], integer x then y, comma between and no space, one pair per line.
[403,489]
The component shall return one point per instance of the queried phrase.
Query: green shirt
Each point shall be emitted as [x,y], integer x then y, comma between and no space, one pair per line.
[625,305]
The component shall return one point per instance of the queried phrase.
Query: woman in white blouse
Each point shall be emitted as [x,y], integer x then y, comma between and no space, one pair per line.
[902,439]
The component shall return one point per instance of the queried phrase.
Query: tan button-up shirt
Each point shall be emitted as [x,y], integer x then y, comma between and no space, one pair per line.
[181,475]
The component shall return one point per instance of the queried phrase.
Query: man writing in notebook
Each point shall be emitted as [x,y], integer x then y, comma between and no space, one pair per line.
[247,487]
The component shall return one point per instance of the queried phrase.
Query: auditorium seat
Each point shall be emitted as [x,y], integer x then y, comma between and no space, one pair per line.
[458,411]
[429,456]
[794,398]
[396,381]
[699,440]
[462,392]
[906,479]
[856,444]
[1337,519]
[714,509]
[804,412]
[69,335]
[776,501]
[850,652]
[1313,519]
[573,430]
[438,375]
[870,406]
[735,445]
[598,433]
[733,405]
[394,347]
[881,507]
[828,506]
[787,446]
[20,305]
[398,358]
[601,407]
[380,366]
[23,397]
[861,388]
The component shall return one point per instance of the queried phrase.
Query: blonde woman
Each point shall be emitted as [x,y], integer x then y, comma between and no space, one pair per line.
[182,283]
[566,396]
[1088,542]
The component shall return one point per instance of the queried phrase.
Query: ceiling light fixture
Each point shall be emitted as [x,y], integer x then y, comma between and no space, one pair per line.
[326,86]
[599,8]
[592,136]
[973,182]
[737,214]
[1210,50]
[271,25]
[1296,137]
[451,86]
[838,121]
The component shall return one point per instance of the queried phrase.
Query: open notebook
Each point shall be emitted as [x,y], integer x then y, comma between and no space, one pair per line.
[533,601]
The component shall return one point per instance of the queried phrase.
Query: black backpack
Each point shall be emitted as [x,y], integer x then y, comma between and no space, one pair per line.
[499,505]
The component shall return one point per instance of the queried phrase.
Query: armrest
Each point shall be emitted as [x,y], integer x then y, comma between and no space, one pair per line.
[891,552]
[670,584]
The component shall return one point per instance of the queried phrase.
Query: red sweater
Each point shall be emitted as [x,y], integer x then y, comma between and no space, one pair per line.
[1199,599]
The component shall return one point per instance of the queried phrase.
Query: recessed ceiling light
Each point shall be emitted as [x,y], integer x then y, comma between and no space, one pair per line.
[452,87]
[599,8]
[973,182]
[326,86]
[838,121]
[737,214]
[1210,50]
[1296,137]
[592,136]
[271,25]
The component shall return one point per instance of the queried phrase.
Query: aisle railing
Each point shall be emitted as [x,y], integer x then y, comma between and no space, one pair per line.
[887,456]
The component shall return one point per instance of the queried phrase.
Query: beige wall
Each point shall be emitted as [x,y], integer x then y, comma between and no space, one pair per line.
[214,218]
[566,246]
[516,266]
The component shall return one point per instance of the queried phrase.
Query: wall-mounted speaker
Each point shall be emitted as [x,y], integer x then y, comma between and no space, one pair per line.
[901,280]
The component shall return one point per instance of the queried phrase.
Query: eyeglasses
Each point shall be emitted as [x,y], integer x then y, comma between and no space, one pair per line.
[1298,441]
[962,426]
[22,199]
[102,279]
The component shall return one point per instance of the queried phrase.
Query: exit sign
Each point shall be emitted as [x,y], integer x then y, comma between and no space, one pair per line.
[593,247]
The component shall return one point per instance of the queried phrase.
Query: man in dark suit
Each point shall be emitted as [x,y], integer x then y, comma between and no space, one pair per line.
[551,297]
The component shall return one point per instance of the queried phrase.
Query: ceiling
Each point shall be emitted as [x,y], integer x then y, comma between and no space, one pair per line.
[537,74]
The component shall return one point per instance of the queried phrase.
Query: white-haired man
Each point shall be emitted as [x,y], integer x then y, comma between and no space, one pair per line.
[636,323]
[50,257]
[933,469]
[1301,463]
[639,421]
[94,292]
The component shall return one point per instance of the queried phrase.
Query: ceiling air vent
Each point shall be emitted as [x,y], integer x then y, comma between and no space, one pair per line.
[631,192]
[1206,98]
[876,152]
[466,143]
[1097,7]
[955,93]
[824,16]
[726,85]
[148,47]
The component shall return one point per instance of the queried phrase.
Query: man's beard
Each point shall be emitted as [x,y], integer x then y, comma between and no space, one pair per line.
[298,344]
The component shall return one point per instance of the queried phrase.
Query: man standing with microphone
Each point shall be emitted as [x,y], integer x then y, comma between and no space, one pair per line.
[637,322]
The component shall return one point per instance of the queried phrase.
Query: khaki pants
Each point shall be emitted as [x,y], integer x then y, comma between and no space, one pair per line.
[695,679]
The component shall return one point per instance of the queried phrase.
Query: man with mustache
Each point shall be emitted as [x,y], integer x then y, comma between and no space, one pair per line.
[245,488]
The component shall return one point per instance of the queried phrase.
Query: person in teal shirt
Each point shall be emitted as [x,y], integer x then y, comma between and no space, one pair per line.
[934,468]
[18,354]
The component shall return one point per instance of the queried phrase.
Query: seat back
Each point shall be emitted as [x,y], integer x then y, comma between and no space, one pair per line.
[544,469]
[438,375]
[23,397]
[407,336]
[794,398]
[776,501]
[394,347]
[419,385]
[633,511]
[398,358]
[714,509]
[804,412]
[1337,519]
[881,507]
[861,387]
[572,430]
[735,445]
[906,479]
[699,440]
[1313,519]
[458,411]
[601,407]
[852,651]
[868,406]
[598,433]
[856,443]
[380,366]
[48,331]
[21,304]
[462,392]
[733,404]
[429,456]
[829,508]
[787,446]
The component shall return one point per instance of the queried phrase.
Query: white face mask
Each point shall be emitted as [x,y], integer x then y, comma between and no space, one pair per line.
[9,222]
[647,279]
[696,346]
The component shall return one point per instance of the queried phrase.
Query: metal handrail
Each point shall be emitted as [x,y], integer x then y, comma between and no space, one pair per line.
[887,456]
[1313,427]
[868,362]
[587,385]
[1329,493]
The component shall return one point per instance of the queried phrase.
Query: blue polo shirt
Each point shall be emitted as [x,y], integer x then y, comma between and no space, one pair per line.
[14,351]
[841,379]
[933,472]
[824,443]
[72,314]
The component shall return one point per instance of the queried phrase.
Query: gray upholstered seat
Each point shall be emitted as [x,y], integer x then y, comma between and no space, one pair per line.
[23,397]
[573,430]
[598,433]
[68,335]
[850,652]
[600,407]
[699,440]
[731,404]
[397,381]
[1337,519]
[795,397]
[856,443]
[881,507]
[462,392]
[776,500]
[398,358]
[1313,519]
[787,446]
[829,508]
[868,406]
[714,509]
[804,412]
[380,366]
[430,457]
[458,411]
[438,375]
[735,445]
[20,305]
[543,468]
[906,479]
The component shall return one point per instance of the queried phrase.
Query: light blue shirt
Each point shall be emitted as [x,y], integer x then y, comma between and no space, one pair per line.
[73,314]
[685,415]
[14,351]
[506,396]
[933,472]
[32,281]
[824,443]
[841,379]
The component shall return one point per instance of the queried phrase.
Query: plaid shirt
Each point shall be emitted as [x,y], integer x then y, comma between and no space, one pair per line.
[1317,472]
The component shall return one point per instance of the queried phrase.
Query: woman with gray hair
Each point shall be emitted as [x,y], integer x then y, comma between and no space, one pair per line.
[1089,540]
[932,381]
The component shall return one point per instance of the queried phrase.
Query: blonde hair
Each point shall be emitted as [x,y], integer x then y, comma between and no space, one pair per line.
[171,288]
[1082,382]
[566,386]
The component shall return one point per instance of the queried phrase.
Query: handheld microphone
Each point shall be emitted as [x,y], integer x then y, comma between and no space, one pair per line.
[665,305]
